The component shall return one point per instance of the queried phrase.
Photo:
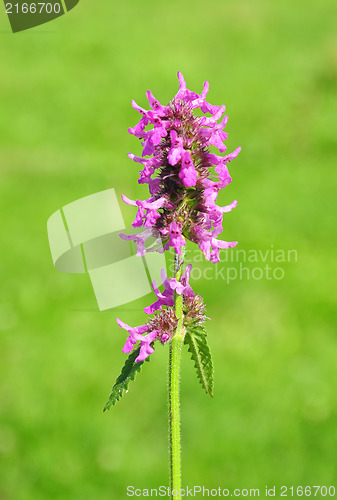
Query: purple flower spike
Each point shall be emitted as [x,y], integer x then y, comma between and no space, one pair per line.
[178,169]
[177,165]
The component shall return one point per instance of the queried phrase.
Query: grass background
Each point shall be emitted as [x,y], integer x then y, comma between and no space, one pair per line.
[65,91]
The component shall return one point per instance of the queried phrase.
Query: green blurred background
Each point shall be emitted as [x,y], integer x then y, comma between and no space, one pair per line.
[65,91]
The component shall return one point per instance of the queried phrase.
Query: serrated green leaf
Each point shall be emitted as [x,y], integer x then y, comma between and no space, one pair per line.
[196,340]
[128,373]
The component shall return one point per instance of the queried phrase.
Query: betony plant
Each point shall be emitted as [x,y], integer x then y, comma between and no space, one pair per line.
[177,166]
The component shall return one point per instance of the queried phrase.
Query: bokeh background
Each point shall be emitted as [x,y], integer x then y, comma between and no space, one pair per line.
[65,91]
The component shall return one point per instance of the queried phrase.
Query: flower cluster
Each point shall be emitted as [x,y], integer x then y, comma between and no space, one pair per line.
[183,193]
[163,325]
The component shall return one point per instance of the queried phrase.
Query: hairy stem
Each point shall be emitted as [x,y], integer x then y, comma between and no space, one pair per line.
[174,390]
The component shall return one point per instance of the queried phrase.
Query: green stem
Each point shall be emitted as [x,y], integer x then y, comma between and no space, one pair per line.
[174,390]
